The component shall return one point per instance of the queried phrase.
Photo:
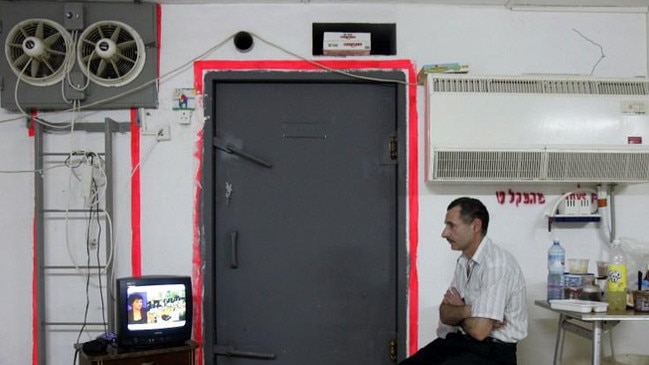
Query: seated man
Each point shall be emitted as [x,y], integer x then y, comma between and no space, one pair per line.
[483,314]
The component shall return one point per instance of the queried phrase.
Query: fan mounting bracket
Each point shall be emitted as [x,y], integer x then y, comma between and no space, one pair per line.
[77,90]
[73,16]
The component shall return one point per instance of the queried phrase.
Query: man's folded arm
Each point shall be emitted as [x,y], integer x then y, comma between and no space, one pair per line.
[460,315]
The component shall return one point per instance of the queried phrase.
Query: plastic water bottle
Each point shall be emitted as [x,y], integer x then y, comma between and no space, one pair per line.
[556,265]
[617,279]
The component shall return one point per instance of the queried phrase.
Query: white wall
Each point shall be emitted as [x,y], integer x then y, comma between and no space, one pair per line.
[492,40]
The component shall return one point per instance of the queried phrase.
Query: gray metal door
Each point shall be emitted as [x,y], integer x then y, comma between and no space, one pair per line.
[304,227]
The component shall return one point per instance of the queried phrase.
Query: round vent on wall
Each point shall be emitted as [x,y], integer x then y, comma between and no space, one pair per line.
[110,53]
[39,51]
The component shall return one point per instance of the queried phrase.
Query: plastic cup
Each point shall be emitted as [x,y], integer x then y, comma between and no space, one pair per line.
[577,266]
[602,269]
[641,300]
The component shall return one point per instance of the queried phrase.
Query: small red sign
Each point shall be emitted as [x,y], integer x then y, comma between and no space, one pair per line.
[634,140]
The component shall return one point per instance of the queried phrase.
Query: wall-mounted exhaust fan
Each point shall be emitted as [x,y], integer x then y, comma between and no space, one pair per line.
[101,55]
[111,53]
[39,51]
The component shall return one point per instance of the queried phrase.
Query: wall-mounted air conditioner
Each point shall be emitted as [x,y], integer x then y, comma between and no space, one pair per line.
[100,55]
[536,129]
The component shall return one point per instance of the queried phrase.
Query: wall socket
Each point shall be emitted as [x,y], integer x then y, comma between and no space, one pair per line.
[185,116]
[161,133]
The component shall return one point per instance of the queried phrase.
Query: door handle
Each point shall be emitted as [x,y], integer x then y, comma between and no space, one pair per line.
[230,351]
[230,149]
[234,250]
[248,156]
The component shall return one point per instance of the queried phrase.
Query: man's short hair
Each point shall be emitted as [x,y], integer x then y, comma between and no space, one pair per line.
[470,209]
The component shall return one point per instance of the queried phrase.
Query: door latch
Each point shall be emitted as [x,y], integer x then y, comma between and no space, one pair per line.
[392,355]
[393,148]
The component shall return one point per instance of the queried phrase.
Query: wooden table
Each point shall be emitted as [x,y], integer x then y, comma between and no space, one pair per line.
[600,323]
[171,355]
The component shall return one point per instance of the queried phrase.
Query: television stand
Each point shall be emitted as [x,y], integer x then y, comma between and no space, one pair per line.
[171,355]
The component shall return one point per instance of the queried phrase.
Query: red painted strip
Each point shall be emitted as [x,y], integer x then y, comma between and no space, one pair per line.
[200,67]
[197,277]
[35,323]
[413,212]
[136,249]
[30,130]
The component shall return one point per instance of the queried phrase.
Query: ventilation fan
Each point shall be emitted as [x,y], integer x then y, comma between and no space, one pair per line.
[39,51]
[99,54]
[110,53]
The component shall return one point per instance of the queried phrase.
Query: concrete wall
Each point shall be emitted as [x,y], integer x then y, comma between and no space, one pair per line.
[492,40]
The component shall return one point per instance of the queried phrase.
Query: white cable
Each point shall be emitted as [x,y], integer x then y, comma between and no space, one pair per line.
[75,38]
[22,111]
[208,52]
[40,171]
[325,67]
[606,214]
[155,80]
[109,240]
[101,194]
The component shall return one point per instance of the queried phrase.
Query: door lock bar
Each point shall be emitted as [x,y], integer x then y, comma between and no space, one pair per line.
[229,351]
[230,149]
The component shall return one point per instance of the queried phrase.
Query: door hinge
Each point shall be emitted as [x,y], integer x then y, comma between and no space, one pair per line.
[393,350]
[394,148]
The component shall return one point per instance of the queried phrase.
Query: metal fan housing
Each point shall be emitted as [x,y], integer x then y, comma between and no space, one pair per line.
[39,51]
[102,55]
[111,53]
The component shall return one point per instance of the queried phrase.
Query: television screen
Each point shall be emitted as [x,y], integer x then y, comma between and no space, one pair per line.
[153,310]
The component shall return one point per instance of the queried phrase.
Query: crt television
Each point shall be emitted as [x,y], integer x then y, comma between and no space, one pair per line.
[153,311]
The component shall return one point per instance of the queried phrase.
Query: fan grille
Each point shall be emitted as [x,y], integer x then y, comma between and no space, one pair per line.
[38,51]
[111,53]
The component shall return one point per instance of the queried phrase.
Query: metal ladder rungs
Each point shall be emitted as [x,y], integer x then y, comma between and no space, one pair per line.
[68,267]
[68,154]
[108,127]
[73,323]
[101,211]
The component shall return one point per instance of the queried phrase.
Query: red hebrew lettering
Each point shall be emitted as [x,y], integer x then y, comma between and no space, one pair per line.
[529,198]
[500,196]
[518,197]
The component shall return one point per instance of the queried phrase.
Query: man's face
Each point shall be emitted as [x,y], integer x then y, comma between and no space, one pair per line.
[458,233]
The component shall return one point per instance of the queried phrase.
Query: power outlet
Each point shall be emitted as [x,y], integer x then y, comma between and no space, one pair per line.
[92,244]
[185,116]
[164,133]
[161,133]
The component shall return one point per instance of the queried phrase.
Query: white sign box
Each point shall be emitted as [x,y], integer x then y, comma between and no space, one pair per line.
[346,44]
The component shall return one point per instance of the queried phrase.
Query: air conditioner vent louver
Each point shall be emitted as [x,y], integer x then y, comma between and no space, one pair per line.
[537,129]
[541,166]
[488,165]
[596,167]
[541,86]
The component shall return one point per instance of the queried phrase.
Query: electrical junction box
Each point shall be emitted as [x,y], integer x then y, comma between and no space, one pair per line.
[346,44]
